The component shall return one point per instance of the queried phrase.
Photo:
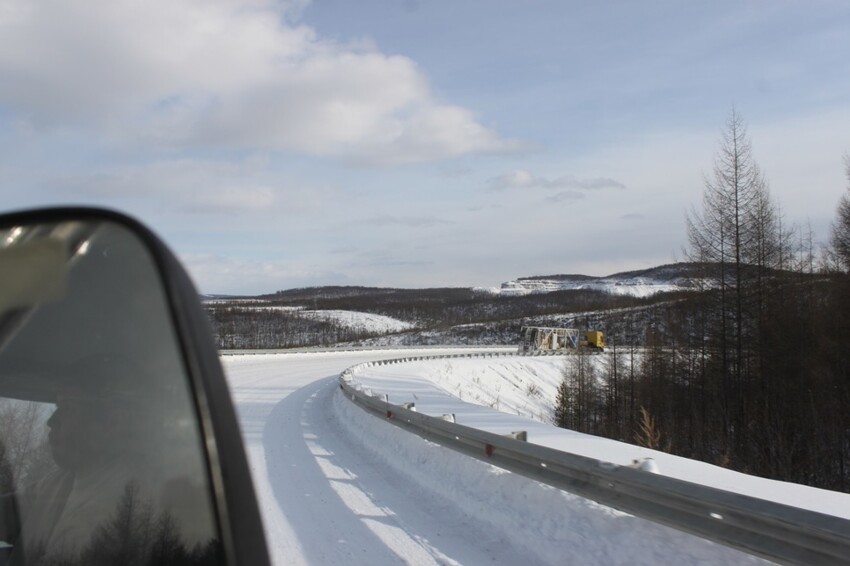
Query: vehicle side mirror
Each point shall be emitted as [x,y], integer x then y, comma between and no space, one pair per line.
[117,433]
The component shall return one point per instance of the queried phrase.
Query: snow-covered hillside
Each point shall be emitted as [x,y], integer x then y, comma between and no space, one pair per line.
[358,321]
[517,386]
[361,321]
[666,278]
[637,287]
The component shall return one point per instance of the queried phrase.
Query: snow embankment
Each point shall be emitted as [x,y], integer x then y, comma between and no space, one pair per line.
[547,525]
[507,394]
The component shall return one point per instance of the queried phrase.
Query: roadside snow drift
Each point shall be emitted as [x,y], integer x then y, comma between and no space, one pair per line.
[339,486]
[506,394]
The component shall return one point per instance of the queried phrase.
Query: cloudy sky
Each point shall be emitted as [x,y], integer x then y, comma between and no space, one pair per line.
[416,143]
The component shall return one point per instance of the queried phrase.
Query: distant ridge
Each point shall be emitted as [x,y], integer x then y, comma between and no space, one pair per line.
[667,271]
[639,283]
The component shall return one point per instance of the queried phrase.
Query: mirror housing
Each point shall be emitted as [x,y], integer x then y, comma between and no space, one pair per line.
[40,250]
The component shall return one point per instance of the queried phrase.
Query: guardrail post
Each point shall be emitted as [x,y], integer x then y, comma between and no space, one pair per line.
[646,465]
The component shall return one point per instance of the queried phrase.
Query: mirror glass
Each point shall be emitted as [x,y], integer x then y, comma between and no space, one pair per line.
[101,455]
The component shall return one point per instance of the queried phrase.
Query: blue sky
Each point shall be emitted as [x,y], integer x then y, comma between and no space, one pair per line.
[416,143]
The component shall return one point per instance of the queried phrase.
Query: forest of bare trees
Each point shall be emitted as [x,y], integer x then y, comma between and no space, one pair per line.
[753,373]
[236,328]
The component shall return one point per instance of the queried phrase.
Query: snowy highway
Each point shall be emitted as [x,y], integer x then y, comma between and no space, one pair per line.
[338,486]
[323,502]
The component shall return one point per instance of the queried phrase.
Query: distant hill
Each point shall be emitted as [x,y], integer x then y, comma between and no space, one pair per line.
[642,283]
[372,315]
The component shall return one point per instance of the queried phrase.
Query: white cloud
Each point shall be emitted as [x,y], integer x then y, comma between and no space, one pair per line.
[521,178]
[216,274]
[203,73]
[198,187]
[565,196]
[513,179]
[226,200]
[409,221]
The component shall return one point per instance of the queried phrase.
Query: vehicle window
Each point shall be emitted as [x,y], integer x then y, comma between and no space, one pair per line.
[101,456]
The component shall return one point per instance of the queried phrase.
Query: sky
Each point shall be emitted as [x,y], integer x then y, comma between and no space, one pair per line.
[413,143]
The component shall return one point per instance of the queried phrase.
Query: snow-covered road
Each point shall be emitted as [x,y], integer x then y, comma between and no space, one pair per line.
[322,501]
[337,486]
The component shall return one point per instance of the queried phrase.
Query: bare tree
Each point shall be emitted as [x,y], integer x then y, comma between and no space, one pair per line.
[840,236]
[737,234]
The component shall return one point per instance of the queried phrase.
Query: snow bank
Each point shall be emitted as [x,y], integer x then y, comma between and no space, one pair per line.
[323,503]
[493,394]
[550,525]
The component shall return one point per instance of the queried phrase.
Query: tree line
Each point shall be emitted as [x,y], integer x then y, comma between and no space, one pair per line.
[440,315]
[238,328]
[753,373]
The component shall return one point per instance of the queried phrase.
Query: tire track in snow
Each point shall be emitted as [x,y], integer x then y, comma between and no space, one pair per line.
[324,501]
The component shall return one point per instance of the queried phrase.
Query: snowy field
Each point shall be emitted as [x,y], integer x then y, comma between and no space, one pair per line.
[339,486]
[355,320]
[362,321]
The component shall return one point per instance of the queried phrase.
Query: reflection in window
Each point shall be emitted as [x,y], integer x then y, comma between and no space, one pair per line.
[106,475]
[133,534]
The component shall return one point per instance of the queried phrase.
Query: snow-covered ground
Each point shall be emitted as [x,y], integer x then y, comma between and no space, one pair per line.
[362,321]
[213,300]
[359,321]
[339,486]
[473,389]
[326,500]
[514,385]
[633,286]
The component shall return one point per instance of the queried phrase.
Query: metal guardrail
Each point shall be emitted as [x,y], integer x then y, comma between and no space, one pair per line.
[350,349]
[775,531]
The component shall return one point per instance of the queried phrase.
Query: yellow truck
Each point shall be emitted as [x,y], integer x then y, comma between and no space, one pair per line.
[594,339]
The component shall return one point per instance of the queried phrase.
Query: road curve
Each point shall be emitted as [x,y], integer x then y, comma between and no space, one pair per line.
[322,501]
